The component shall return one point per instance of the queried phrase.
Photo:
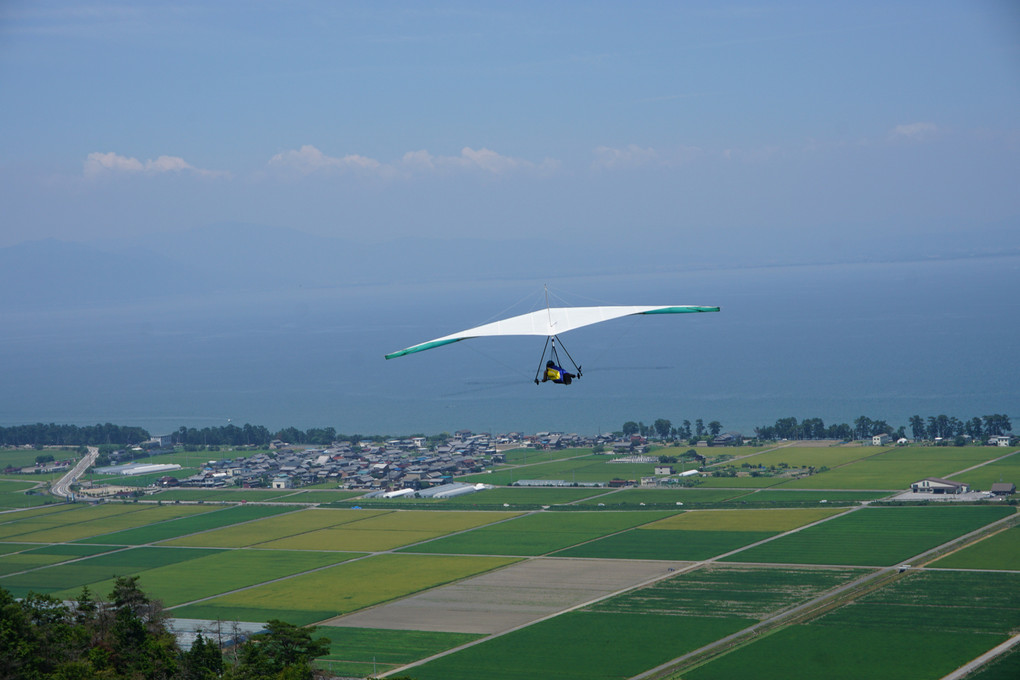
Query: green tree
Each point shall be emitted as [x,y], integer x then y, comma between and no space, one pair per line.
[917,428]
[662,427]
[284,650]
[203,661]
[630,428]
[714,428]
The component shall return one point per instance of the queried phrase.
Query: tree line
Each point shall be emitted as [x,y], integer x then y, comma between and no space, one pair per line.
[663,428]
[52,434]
[921,429]
[126,636]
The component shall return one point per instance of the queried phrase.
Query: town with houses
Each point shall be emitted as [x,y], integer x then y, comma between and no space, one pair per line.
[394,465]
[412,466]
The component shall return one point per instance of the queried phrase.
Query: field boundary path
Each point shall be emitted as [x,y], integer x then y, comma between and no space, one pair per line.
[966,669]
[855,588]
[981,465]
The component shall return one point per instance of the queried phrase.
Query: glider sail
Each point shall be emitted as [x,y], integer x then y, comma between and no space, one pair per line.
[550,322]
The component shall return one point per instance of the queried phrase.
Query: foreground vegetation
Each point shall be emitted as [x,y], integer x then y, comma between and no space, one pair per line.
[126,636]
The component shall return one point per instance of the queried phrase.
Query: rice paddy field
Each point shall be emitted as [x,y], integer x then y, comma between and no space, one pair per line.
[15,494]
[662,497]
[590,582]
[874,536]
[998,551]
[1006,469]
[924,625]
[361,652]
[697,535]
[497,498]
[537,534]
[899,468]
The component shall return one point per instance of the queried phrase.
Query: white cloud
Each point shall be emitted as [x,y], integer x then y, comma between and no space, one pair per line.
[98,164]
[914,130]
[631,156]
[419,160]
[308,160]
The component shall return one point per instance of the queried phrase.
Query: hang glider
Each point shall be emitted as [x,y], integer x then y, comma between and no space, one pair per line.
[550,322]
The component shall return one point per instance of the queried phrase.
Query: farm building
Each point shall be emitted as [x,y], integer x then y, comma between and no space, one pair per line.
[1003,489]
[939,486]
[881,440]
[282,482]
[663,469]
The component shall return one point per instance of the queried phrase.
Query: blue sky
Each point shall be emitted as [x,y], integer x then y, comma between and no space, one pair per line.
[799,125]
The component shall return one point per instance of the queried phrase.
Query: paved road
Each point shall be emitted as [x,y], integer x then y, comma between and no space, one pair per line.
[62,487]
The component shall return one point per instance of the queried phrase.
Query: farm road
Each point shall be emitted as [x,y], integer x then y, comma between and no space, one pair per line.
[63,486]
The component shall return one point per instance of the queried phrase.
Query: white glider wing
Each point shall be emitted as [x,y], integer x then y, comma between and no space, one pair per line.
[550,321]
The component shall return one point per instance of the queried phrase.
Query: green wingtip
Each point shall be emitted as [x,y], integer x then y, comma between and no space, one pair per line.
[688,309]
[420,348]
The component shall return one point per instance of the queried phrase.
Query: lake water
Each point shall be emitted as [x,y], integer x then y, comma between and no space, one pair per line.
[837,341]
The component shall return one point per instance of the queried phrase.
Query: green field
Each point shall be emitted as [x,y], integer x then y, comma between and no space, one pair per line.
[816,456]
[874,536]
[538,534]
[899,468]
[721,590]
[210,573]
[739,482]
[64,520]
[386,531]
[250,562]
[215,518]
[26,457]
[781,496]
[999,551]
[1005,470]
[220,495]
[12,494]
[317,496]
[326,593]
[663,497]
[134,516]
[496,498]
[697,535]
[582,646]
[361,652]
[645,544]
[33,557]
[532,456]
[589,468]
[72,576]
[772,520]
[818,652]
[962,602]
[1005,667]
[273,528]
[528,496]
[922,626]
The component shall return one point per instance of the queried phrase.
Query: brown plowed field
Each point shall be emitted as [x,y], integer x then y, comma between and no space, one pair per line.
[509,597]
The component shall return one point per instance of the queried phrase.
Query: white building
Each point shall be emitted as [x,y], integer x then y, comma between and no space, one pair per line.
[939,486]
[881,440]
